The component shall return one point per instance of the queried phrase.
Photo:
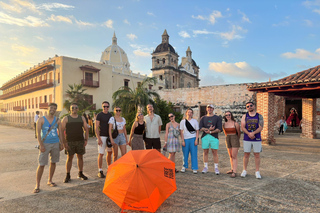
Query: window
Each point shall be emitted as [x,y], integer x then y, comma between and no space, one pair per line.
[158,61]
[88,76]
[172,79]
[32,103]
[58,77]
[160,77]
[164,60]
[36,102]
[50,98]
[29,103]
[45,99]
[160,88]
[150,86]
[89,99]
[40,99]
[126,82]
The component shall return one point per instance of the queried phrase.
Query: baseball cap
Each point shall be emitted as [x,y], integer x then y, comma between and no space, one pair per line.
[210,105]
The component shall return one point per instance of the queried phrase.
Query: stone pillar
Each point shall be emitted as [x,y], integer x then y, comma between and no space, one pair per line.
[309,118]
[265,106]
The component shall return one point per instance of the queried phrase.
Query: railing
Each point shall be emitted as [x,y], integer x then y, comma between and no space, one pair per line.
[87,83]
[18,108]
[4,110]
[43,105]
[29,88]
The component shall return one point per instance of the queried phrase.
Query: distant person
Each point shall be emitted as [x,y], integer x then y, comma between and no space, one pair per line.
[171,138]
[75,126]
[102,133]
[85,117]
[153,124]
[137,130]
[36,117]
[232,132]
[90,124]
[211,126]
[293,118]
[189,135]
[281,124]
[94,117]
[251,125]
[49,132]
[121,141]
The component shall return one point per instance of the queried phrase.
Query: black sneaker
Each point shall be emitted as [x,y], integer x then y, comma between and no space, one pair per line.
[82,176]
[67,179]
[101,175]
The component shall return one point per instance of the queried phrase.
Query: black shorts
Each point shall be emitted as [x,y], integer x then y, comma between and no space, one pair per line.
[153,143]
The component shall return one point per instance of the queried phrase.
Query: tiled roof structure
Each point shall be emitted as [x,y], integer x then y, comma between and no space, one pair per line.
[302,84]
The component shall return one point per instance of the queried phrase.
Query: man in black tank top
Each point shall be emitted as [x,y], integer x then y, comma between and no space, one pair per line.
[74,126]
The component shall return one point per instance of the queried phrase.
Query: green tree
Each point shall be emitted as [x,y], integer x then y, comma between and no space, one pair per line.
[76,94]
[163,108]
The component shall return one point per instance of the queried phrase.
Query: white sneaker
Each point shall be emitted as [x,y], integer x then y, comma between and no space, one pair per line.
[195,172]
[205,170]
[258,176]
[183,170]
[244,173]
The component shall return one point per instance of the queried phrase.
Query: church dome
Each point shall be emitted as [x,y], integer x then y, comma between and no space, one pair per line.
[115,55]
[164,47]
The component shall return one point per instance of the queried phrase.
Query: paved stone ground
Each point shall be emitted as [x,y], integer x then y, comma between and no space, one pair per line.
[290,180]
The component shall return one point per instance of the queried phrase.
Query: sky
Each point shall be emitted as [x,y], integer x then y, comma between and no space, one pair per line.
[232,41]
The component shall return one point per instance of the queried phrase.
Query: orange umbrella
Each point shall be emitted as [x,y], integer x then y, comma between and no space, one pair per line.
[140,180]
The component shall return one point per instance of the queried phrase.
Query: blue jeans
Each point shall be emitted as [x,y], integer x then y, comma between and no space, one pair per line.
[190,147]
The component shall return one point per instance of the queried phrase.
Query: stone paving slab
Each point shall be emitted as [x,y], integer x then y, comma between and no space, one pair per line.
[290,180]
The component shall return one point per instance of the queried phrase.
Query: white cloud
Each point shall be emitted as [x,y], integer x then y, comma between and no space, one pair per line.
[26,4]
[244,17]
[303,54]
[126,22]
[120,7]
[242,70]
[108,23]
[311,3]
[132,36]
[51,6]
[214,15]
[39,38]
[82,23]
[281,24]
[308,23]
[150,14]
[196,32]
[60,19]
[316,11]
[141,53]
[23,50]
[29,21]
[234,34]
[198,17]
[12,8]
[184,34]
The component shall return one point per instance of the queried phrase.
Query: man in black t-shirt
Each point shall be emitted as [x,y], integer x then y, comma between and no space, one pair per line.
[102,133]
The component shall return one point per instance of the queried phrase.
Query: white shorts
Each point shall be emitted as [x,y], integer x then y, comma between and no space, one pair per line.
[256,145]
[102,148]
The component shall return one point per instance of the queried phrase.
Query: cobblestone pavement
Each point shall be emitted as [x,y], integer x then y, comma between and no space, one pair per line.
[290,180]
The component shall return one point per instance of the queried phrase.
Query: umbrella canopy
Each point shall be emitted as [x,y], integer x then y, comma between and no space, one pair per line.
[140,180]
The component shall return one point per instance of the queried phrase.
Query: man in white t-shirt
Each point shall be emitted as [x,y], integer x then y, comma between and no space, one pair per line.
[153,123]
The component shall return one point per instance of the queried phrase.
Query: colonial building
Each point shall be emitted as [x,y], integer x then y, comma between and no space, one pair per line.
[165,66]
[47,82]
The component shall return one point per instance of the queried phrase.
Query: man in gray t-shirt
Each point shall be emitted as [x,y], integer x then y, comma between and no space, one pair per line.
[210,125]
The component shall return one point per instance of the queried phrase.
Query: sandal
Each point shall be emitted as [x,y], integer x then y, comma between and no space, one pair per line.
[233,175]
[230,172]
[176,170]
[52,184]
[36,190]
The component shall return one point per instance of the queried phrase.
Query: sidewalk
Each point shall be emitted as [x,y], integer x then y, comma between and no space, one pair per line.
[290,180]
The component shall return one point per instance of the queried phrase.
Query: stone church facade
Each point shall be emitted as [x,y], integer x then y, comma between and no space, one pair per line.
[165,66]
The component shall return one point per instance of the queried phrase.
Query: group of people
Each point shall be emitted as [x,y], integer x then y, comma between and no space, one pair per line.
[72,135]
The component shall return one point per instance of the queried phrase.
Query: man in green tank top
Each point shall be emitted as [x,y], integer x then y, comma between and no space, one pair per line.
[74,126]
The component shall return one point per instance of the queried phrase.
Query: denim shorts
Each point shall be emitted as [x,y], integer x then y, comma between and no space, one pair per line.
[120,139]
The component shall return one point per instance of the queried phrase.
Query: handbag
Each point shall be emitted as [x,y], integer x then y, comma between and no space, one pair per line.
[109,144]
[115,132]
[190,127]
[176,132]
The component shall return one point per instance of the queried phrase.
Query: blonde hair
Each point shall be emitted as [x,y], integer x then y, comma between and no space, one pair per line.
[137,119]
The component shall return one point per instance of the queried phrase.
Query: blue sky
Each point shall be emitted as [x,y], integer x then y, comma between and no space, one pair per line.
[232,41]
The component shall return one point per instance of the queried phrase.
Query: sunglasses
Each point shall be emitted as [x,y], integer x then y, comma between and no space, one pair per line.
[105,106]
[249,106]
[140,114]
[74,107]
[171,116]
[228,114]
[118,110]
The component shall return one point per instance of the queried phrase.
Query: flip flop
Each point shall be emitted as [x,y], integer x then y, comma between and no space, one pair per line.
[230,172]
[52,184]
[36,190]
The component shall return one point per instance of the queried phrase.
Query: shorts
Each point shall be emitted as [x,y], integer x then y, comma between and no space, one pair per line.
[53,149]
[210,141]
[76,147]
[153,143]
[232,141]
[102,148]
[257,146]
[120,140]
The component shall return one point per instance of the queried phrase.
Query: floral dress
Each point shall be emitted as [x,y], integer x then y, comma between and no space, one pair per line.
[173,143]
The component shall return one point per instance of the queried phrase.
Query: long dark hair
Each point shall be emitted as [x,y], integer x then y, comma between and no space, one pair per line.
[225,119]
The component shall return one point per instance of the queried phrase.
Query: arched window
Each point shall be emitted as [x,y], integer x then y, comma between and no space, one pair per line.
[158,61]
[164,60]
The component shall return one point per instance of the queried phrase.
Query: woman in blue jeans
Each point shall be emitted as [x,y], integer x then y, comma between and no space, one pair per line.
[189,128]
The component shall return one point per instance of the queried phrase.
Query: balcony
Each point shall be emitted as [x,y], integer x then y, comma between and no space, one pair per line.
[30,88]
[88,83]
[4,110]
[18,108]
[43,105]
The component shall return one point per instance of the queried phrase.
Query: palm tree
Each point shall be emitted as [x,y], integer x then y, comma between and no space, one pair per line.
[76,94]
[131,100]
